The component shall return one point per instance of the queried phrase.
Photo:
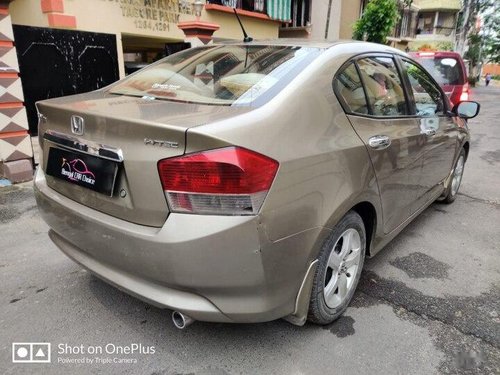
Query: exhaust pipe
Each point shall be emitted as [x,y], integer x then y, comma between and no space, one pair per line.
[180,320]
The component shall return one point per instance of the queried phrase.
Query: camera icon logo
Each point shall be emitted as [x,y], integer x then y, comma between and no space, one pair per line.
[31,352]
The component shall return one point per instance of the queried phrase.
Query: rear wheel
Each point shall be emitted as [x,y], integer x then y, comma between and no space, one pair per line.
[451,191]
[340,264]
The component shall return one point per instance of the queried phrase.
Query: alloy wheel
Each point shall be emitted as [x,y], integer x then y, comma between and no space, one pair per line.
[457,175]
[342,268]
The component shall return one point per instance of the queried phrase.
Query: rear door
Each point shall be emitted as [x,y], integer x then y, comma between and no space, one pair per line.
[438,129]
[371,92]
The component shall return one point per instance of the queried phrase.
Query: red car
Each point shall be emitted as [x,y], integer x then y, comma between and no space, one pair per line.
[448,69]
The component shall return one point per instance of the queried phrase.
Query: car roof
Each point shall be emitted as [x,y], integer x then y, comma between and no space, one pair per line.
[354,45]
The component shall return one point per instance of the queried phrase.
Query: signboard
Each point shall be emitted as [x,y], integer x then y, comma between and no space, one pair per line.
[153,15]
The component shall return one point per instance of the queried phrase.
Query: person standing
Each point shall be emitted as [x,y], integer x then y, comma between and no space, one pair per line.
[487,78]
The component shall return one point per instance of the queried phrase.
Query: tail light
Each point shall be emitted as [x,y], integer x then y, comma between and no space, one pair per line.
[226,181]
[464,96]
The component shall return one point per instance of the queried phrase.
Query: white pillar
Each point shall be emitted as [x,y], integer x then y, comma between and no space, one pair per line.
[436,19]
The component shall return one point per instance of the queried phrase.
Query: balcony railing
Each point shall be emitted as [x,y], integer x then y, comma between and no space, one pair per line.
[438,30]
[447,31]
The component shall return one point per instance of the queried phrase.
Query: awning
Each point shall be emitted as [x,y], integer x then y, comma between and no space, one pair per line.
[279,10]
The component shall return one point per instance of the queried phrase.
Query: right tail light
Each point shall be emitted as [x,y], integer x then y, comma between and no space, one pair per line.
[226,181]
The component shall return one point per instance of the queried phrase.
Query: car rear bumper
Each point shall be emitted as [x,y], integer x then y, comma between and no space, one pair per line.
[195,306]
[213,268]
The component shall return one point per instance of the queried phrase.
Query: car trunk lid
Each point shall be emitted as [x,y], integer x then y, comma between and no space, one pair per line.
[133,133]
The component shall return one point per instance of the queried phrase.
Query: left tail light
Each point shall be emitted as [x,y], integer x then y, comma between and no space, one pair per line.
[226,181]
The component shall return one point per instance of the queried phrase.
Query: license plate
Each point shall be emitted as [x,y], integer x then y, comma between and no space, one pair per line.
[89,171]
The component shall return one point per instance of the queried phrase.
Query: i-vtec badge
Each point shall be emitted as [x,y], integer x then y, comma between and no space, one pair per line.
[156,142]
[77,125]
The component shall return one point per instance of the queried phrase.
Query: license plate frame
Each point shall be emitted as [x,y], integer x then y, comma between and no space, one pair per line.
[89,171]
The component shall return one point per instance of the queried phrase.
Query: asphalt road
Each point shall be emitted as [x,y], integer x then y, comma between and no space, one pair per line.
[429,303]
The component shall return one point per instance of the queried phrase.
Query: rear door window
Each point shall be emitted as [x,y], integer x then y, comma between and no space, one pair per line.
[383,86]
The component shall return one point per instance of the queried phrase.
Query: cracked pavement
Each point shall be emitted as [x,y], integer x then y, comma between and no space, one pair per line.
[429,303]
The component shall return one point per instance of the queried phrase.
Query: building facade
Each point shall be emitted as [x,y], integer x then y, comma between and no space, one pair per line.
[426,24]
[328,19]
[437,22]
[405,30]
[138,26]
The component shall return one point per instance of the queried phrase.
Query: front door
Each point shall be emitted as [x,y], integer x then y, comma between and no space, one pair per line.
[440,135]
[375,101]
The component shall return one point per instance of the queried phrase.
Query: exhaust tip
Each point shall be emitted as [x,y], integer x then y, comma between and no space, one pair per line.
[180,320]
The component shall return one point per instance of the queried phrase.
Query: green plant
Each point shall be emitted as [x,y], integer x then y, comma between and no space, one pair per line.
[377,21]
[432,46]
[445,46]
[472,81]
[425,47]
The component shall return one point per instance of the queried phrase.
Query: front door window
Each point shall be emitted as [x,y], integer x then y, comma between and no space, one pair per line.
[428,98]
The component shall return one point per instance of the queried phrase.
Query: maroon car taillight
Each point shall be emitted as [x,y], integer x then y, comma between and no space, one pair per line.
[226,181]
[464,96]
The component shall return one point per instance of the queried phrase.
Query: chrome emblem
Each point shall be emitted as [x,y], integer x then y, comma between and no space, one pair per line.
[77,125]
[160,143]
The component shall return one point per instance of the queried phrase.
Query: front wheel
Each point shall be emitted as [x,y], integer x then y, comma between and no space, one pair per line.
[451,191]
[339,268]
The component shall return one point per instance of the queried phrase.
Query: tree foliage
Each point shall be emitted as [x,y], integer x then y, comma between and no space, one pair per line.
[490,32]
[377,21]
[473,54]
[479,33]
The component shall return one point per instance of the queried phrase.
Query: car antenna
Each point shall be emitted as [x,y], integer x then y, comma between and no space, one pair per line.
[246,39]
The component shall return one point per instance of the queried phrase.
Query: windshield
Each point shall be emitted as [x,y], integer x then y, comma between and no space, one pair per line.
[445,70]
[223,75]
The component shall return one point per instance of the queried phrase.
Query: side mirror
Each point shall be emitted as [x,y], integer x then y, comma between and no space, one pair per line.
[466,109]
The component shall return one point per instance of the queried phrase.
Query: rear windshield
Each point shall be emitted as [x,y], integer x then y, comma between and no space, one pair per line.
[222,75]
[445,70]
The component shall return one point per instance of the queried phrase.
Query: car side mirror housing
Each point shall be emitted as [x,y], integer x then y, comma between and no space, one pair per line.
[467,109]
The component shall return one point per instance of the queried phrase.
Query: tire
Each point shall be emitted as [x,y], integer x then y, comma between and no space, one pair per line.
[338,271]
[450,194]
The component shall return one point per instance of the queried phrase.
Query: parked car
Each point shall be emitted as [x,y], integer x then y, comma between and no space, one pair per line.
[247,182]
[448,69]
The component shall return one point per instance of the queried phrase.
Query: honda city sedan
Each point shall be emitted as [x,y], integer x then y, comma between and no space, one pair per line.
[247,182]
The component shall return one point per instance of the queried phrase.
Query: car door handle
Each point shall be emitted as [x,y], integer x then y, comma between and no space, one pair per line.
[379,142]
[429,132]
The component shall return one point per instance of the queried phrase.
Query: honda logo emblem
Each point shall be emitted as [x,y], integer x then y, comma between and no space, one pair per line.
[77,125]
